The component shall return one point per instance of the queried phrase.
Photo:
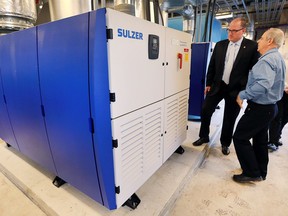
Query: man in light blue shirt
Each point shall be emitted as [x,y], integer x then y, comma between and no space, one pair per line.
[264,88]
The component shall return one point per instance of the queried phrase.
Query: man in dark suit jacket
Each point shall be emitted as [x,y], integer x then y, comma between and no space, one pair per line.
[227,75]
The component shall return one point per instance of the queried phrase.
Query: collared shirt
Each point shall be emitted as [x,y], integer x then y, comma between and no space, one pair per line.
[266,79]
[237,44]
[231,53]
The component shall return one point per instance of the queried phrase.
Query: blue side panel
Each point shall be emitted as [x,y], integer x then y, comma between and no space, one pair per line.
[100,103]
[63,69]
[21,87]
[6,131]
[199,63]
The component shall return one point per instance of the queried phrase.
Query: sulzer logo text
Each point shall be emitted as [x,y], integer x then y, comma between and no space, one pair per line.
[129,34]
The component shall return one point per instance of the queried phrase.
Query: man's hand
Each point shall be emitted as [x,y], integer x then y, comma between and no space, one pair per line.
[207,89]
[239,101]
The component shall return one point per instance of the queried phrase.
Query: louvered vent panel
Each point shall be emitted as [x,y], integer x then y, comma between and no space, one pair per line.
[176,108]
[183,109]
[140,148]
[172,113]
[182,120]
[153,127]
[132,149]
[171,122]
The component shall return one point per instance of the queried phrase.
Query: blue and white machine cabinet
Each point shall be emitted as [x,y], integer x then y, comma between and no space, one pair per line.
[110,99]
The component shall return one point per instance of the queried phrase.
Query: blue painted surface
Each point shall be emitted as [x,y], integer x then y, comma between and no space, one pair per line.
[224,34]
[100,104]
[61,67]
[21,86]
[64,80]
[216,34]
[216,31]
[6,130]
[199,60]
[176,23]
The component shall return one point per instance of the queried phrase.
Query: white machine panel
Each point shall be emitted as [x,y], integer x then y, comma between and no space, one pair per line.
[140,148]
[135,79]
[176,109]
[150,112]
[178,48]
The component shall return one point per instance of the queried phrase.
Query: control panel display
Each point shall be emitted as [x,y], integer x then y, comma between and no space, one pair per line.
[153,46]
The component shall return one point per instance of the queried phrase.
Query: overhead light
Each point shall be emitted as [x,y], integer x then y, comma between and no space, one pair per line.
[224,16]
[224,24]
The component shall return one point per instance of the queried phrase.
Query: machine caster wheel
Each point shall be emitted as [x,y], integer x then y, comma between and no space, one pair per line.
[58,182]
[180,150]
[132,202]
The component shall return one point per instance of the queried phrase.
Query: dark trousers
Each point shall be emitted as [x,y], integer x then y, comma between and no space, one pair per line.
[254,124]
[281,119]
[231,112]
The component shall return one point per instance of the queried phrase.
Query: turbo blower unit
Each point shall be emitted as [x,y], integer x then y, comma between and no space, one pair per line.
[99,99]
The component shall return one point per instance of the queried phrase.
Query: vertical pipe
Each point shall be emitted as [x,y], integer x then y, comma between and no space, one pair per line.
[211,20]
[141,9]
[125,6]
[244,5]
[199,23]
[103,3]
[148,11]
[155,8]
[206,21]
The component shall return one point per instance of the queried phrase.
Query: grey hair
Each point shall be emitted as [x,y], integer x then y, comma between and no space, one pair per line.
[277,35]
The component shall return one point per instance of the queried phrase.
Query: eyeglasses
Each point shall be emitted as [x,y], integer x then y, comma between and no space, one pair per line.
[234,30]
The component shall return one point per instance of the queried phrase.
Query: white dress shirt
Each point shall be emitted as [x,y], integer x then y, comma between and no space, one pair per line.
[232,51]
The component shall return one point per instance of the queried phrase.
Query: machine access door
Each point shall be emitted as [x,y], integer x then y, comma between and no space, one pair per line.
[178,54]
[135,76]
[63,67]
[21,88]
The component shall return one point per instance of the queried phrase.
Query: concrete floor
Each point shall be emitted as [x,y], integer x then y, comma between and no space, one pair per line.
[195,183]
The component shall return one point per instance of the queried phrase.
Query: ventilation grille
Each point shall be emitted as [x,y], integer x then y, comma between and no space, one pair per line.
[176,122]
[132,153]
[139,153]
[153,130]
[182,118]
[171,122]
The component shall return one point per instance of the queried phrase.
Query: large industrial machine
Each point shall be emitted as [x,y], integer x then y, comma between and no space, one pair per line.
[99,99]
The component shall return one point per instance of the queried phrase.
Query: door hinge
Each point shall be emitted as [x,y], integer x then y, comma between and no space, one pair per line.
[115,143]
[109,33]
[112,97]
[117,190]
